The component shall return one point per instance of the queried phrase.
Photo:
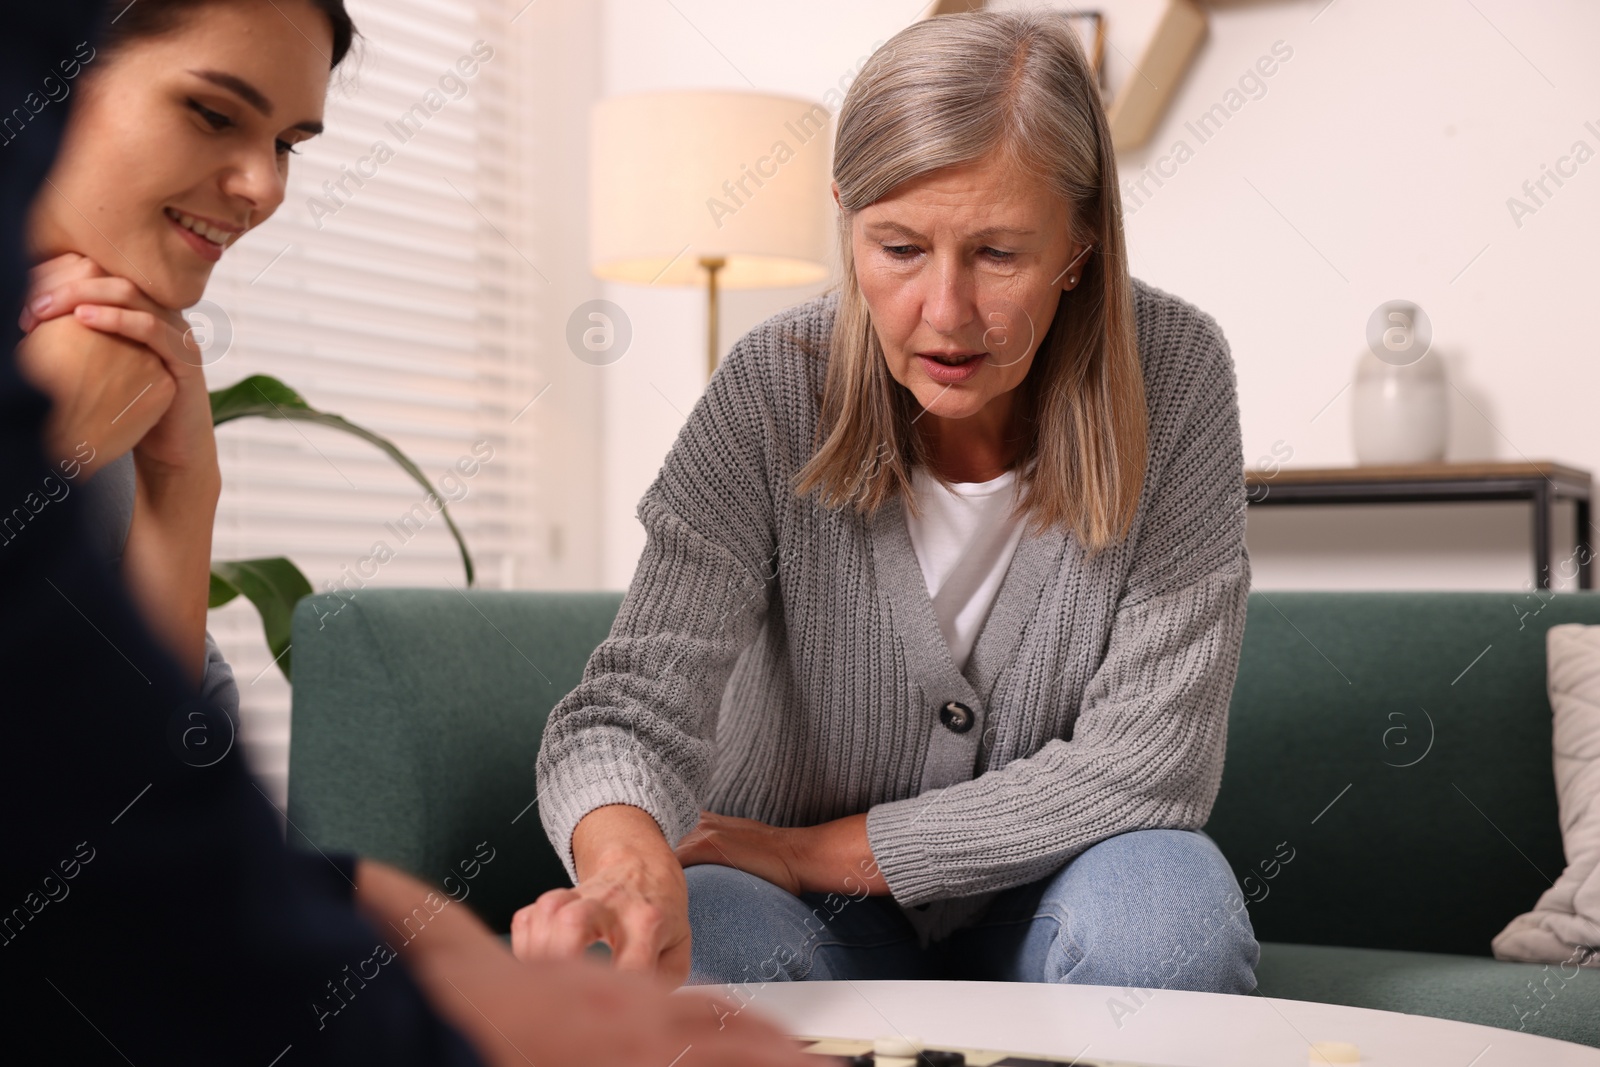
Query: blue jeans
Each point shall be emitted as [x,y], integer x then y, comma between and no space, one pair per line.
[1153,909]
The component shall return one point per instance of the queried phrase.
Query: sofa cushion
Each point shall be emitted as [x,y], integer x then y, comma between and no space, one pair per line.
[417,716]
[1565,923]
[1545,1000]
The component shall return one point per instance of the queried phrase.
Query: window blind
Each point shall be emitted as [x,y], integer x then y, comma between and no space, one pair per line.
[396,286]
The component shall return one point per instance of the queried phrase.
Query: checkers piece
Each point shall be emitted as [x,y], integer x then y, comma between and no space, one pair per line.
[897,1047]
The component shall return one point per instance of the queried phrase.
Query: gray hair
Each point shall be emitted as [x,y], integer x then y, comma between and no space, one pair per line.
[950,91]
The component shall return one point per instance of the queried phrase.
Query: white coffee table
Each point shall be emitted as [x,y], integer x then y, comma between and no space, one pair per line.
[1172,1028]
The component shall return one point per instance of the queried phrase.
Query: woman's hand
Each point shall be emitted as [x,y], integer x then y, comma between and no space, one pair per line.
[831,857]
[75,311]
[105,392]
[774,854]
[631,894]
[560,1012]
[180,447]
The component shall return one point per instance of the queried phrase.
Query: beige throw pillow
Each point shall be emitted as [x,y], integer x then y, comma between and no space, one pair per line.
[1564,926]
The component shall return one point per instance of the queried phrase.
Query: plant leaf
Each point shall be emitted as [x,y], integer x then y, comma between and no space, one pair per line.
[222,590]
[268,398]
[274,585]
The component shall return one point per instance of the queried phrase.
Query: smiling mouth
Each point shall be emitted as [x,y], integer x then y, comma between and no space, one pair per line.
[199,227]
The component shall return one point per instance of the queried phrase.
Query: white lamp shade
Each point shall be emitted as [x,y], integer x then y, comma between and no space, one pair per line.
[675,176]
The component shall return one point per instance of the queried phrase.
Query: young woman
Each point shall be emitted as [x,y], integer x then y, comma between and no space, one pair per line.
[179,143]
[186,116]
[926,665]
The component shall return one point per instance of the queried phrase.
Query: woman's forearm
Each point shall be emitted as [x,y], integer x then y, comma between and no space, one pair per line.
[166,562]
[836,858]
[613,829]
[830,857]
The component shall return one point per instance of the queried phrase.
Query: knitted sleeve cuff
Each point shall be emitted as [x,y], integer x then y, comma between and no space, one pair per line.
[898,852]
[594,771]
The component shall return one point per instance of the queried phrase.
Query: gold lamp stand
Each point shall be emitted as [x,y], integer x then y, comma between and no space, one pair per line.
[712,264]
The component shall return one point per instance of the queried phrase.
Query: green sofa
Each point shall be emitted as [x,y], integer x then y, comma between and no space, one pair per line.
[1388,801]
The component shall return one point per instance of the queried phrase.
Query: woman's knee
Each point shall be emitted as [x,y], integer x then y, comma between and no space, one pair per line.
[743,929]
[1157,909]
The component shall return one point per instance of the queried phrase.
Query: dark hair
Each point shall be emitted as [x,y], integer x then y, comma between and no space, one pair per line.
[152,18]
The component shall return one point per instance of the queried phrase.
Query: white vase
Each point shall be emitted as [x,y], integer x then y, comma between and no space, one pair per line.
[1400,414]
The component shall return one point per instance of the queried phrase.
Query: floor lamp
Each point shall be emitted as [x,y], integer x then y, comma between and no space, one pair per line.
[726,190]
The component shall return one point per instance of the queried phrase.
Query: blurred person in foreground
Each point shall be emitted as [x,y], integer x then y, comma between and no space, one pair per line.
[149,909]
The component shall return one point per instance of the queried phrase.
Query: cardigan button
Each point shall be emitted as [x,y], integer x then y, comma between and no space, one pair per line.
[957,717]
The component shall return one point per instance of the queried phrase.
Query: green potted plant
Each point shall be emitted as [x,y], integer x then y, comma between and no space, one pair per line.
[274,584]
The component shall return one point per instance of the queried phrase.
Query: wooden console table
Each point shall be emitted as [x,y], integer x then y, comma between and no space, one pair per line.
[1541,484]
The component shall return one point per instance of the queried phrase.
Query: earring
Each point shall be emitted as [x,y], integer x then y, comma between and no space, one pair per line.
[1072,279]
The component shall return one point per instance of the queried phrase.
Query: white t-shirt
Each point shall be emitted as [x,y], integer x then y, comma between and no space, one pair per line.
[964,540]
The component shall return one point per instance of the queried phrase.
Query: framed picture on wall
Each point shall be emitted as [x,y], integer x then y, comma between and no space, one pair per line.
[1139,49]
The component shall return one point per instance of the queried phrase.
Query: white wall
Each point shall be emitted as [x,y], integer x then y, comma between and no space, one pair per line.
[1376,166]
[1390,141]
[563,77]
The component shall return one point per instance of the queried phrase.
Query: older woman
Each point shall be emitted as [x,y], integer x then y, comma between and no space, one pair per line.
[925,668]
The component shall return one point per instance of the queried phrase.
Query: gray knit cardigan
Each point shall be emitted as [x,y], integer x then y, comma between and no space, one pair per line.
[780,661]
